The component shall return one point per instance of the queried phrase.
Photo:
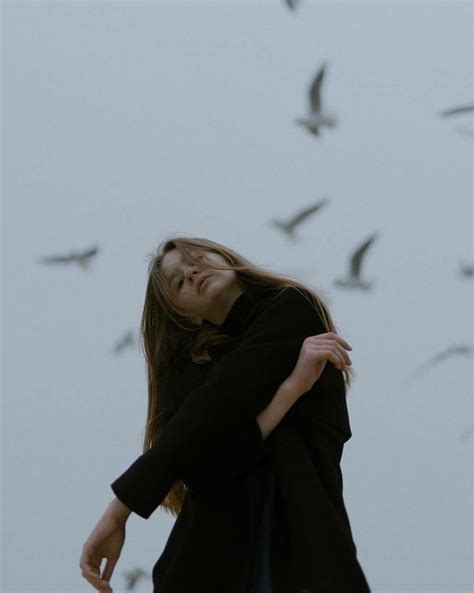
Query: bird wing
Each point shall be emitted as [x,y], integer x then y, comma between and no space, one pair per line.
[90,252]
[56,258]
[456,110]
[356,260]
[315,90]
[305,212]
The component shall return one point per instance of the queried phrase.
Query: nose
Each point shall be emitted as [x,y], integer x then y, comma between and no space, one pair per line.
[192,272]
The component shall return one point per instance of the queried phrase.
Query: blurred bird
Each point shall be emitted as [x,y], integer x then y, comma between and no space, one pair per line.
[291,4]
[127,340]
[353,279]
[465,131]
[443,355]
[316,117]
[466,434]
[467,270]
[80,257]
[290,225]
[133,576]
[457,110]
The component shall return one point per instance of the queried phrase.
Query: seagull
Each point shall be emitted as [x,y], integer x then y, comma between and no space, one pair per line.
[127,340]
[80,257]
[465,434]
[465,130]
[457,110]
[290,225]
[132,577]
[316,117]
[353,280]
[467,270]
[444,354]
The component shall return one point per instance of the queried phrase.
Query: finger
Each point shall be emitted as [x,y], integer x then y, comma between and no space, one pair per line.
[91,574]
[108,568]
[345,356]
[342,358]
[98,584]
[331,336]
[337,359]
[331,353]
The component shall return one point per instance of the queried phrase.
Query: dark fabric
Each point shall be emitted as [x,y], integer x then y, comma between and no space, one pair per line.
[213,443]
[261,581]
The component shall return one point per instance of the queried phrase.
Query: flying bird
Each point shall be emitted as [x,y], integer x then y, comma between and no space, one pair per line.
[316,116]
[133,576]
[353,279]
[457,110]
[467,270]
[291,4]
[126,340]
[457,349]
[465,130]
[80,257]
[466,434]
[289,226]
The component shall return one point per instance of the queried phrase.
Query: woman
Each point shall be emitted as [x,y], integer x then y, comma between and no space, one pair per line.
[246,424]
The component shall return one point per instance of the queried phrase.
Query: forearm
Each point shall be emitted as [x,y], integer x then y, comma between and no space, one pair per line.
[118,510]
[216,431]
[269,418]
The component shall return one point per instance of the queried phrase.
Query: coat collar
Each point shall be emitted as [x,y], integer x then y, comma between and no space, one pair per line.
[234,322]
[240,315]
[243,308]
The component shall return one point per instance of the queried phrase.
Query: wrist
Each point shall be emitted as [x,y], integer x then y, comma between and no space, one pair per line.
[292,389]
[118,511]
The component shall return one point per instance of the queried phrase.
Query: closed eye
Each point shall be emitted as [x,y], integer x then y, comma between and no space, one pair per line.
[181,281]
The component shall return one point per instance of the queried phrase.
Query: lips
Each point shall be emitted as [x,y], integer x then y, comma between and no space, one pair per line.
[200,283]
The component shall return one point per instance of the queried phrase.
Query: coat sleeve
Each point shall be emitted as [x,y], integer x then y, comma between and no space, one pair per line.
[220,415]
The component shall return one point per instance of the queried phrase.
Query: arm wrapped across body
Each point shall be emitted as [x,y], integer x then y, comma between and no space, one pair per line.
[217,420]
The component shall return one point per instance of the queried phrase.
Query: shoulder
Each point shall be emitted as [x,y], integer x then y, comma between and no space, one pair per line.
[288,299]
[286,311]
[290,294]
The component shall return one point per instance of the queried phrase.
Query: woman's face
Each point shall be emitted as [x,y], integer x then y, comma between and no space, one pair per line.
[213,297]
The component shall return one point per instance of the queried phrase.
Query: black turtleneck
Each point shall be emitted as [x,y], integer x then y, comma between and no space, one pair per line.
[186,375]
[214,445]
[235,318]
[244,309]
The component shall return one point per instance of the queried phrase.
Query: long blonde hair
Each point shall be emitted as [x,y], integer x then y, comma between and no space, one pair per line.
[166,328]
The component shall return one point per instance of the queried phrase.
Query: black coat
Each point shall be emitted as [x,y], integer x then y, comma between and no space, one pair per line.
[212,442]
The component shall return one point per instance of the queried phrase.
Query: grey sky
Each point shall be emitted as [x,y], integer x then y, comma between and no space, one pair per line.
[127,122]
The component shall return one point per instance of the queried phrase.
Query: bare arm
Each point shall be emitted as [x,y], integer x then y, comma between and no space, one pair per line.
[286,395]
[118,511]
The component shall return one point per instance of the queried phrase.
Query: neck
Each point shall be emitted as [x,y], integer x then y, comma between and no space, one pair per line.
[225,302]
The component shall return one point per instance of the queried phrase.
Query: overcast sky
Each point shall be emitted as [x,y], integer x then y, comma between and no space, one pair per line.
[127,122]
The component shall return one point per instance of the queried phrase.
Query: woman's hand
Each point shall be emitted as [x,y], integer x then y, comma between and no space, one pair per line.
[105,541]
[314,353]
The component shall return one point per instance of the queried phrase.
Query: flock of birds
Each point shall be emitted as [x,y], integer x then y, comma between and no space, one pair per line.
[316,118]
